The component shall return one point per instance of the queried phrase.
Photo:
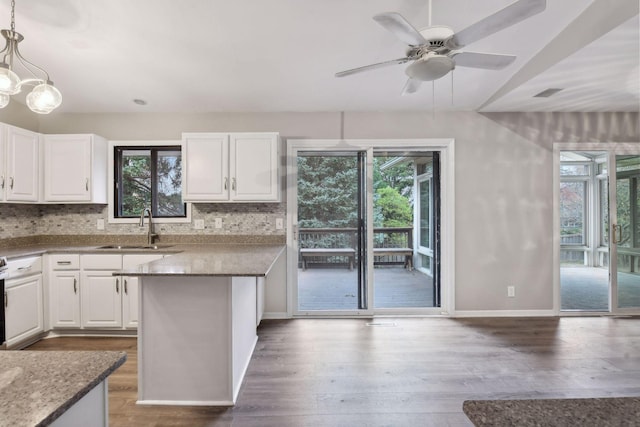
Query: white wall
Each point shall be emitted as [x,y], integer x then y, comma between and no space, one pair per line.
[503,219]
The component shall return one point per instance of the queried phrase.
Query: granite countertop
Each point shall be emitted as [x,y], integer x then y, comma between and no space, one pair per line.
[37,387]
[213,260]
[199,259]
[601,412]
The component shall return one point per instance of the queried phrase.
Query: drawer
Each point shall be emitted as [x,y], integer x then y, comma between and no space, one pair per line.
[101,262]
[24,266]
[64,261]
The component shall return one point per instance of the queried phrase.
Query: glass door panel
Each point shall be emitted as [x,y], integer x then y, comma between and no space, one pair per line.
[403,212]
[331,206]
[627,230]
[584,254]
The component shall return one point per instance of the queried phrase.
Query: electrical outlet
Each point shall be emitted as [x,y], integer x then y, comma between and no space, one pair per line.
[218,222]
[279,223]
[198,224]
[511,291]
[100,224]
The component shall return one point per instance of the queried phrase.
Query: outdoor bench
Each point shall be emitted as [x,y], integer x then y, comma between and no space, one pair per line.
[407,252]
[350,253]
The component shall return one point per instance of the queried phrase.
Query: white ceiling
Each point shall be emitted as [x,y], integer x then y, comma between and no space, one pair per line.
[281,55]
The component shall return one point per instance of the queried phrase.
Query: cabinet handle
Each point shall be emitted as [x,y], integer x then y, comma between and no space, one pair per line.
[6,299]
[75,286]
[226,183]
[233,184]
[11,182]
[126,290]
[86,184]
[26,267]
[2,181]
[117,286]
[64,262]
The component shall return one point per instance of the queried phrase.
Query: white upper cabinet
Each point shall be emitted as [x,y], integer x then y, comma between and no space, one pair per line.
[205,164]
[253,167]
[240,167]
[22,180]
[75,168]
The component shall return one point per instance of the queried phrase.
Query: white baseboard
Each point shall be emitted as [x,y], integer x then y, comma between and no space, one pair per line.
[504,313]
[276,315]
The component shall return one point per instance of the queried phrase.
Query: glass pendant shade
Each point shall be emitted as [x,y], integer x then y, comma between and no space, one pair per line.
[44,98]
[4,100]
[9,81]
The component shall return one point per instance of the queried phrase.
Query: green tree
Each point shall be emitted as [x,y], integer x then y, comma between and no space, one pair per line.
[395,208]
[327,192]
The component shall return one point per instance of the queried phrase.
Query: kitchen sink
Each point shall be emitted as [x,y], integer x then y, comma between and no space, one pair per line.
[124,247]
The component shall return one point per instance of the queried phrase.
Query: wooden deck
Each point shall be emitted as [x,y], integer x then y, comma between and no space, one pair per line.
[336,288]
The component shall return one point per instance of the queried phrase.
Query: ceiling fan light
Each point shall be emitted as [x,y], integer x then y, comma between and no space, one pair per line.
[44,98]
[430,67]
[4,100]
[9,81]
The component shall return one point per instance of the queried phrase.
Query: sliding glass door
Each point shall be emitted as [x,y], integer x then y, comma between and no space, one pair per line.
[331,207]
[626,232]
[599,225]
[366,231]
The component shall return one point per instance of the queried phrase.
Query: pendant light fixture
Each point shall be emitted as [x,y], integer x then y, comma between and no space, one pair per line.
[44,97]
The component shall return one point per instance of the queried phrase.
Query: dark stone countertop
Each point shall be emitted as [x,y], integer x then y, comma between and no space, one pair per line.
[37,387]
[596,412]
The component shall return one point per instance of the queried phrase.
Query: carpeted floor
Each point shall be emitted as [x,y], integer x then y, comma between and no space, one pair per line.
[587,288]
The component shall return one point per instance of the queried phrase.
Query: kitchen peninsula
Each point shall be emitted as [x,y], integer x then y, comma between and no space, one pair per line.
[199,311]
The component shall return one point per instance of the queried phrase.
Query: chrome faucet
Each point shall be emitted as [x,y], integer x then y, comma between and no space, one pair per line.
[150,234]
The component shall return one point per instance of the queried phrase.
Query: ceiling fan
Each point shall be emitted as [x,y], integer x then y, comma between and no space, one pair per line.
[434,51]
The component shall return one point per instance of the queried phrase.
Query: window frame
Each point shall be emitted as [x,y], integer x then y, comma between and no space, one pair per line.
[112,180]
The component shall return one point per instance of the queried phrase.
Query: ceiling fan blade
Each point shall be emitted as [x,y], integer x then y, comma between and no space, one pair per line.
[489,61]
[372,66]
[411,86]
[399,26]
[510,15]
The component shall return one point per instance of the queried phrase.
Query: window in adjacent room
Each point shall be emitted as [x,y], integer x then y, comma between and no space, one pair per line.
[148,177]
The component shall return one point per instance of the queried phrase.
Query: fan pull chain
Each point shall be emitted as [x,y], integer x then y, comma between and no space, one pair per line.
[452,87]
[433,99]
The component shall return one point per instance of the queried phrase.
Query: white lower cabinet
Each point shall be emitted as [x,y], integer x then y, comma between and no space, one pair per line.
[64,290]
[23,308]
[64,297]
[130,288]
[84,293]
[101,291]
[101,300]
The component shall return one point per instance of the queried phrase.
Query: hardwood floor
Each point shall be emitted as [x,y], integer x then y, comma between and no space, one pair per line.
[396,372]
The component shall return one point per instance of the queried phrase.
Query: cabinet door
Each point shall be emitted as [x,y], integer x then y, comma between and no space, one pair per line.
[254,167]
[24,315]
[130,302]
[22,165]
[100,293]
[130,288]
[205,160]
[67,168]
[65,299]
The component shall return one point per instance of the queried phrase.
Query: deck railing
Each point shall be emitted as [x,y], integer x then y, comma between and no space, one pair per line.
[346,237]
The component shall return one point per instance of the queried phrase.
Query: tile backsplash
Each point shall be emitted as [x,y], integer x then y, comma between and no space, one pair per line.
[17,220]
